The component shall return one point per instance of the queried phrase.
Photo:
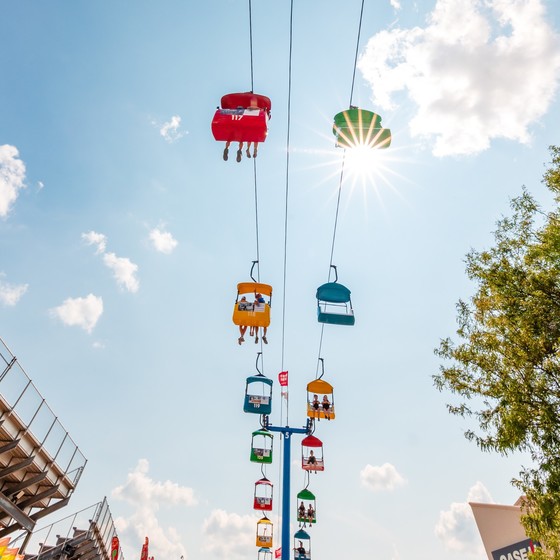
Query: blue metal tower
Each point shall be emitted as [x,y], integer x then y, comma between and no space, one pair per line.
[286,432]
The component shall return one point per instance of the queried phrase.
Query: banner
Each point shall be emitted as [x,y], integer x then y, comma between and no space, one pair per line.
[115,548]
[501,530]
[521,549]
[283,378]
[9,553]
[144,555]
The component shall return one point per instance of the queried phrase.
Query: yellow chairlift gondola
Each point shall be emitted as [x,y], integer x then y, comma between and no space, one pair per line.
[251,308]
[264,532]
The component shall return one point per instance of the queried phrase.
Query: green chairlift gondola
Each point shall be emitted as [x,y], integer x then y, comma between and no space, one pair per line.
[306,507]
[261,446]
[359,127]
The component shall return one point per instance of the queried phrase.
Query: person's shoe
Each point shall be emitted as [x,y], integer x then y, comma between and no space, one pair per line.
[238,158]
[225,154]
[240,340]
[256,339]
[264,340]
[254,154]
[248,153]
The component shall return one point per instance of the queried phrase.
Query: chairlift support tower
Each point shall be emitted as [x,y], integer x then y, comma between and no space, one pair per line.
[287,433]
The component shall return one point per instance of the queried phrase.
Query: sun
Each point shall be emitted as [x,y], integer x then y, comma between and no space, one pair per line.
[367,167]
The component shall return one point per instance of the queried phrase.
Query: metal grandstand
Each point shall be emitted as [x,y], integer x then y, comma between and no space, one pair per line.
[40,465]
[85,535]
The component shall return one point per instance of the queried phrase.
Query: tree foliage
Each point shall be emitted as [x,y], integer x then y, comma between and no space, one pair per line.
[505,368]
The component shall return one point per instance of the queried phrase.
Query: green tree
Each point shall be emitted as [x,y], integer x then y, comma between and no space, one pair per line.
[505,367]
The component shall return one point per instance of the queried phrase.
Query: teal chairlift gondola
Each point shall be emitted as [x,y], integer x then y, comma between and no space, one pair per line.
[264,554]
[258,392]
[302,545]
[334,305]
[258,395]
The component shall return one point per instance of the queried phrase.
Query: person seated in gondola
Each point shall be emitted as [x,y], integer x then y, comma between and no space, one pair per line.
[326,407]
[243,305]
[310,513]
[301,511]
[311,460]
[239,151]
[300,550]
[315,404]
[259,306]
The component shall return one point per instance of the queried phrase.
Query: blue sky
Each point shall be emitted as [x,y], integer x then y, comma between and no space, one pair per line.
[123,235]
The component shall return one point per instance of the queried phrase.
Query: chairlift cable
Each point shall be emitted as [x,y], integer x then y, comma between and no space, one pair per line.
[356,55]
[251,43]
[287,191]
[284,273]
[341,180]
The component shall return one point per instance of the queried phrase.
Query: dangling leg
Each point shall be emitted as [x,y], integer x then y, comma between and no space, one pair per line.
[226,149]
[248,152]
[255,147]
[238,158]
[264,335]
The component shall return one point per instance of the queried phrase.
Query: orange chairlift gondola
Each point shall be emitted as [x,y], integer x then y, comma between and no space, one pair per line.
[242,117]
[312,454]
[263,495]
[264,532]
[302,545]
[250,308]
[320,398]
[357,127]
[334,305]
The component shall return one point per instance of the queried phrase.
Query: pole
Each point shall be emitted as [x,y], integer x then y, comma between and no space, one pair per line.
[286,497]
[286,433]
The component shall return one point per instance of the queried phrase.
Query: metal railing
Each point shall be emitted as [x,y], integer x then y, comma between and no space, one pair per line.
[21,401]
[94,523]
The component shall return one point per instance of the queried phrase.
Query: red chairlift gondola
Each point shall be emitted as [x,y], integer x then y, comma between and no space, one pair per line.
[242,117]
[263,495]
[312,454]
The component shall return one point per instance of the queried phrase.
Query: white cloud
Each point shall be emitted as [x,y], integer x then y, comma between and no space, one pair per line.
[139,488]
[163,241]
[395,4]
[80,312]
[229,535]
[146,496]
[170,130]
[12,174]
[456,527]
[478,70]
[10,294]
[98,239]
[384,477]
[124,271]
